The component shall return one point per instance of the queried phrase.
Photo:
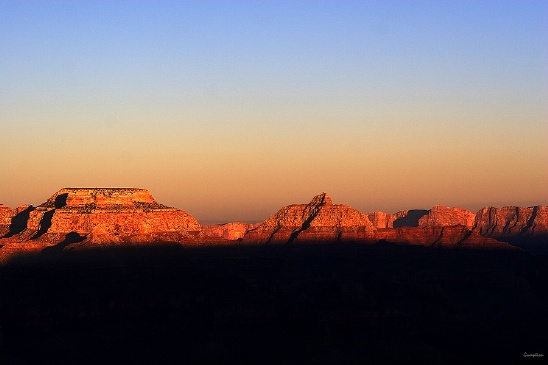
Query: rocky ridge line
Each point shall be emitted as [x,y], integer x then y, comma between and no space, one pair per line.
[319,220]
[128,215]
[101,216]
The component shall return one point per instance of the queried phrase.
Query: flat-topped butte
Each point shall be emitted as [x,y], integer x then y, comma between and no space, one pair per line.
[88,199]
[107,214]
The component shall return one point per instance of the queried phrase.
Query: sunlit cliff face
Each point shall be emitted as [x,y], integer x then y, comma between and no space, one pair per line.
[104,215]
[100,198]
[113,216]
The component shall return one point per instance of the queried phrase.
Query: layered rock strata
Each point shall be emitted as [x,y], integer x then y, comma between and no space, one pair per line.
[127,215]
[382,219]
[228,231]
[523,227]
[322,221]
[103,215]
[403,218]
[440,237]
[6,214]
[512,221]
[319,220]
[442,216]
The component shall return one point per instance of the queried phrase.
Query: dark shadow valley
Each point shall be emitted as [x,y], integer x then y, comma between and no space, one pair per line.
[323,304]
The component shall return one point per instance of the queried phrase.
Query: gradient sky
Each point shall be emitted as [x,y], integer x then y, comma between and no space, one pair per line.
[231,109]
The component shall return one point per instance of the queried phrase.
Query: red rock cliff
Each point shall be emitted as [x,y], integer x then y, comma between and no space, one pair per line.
[442,216]
[322,221]
[6,214]
[382,219]
[103,214]
[229,231]
[512,221]
[319,220]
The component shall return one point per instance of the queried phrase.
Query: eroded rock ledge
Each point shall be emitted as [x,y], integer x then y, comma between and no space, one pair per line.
[319,220]
[87,216]
[103,215]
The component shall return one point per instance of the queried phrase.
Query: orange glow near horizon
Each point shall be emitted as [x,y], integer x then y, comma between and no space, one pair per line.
[234,111]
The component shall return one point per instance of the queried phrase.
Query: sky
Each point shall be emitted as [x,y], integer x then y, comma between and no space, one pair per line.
[230,110]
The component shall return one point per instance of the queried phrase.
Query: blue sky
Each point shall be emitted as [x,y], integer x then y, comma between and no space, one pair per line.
[231,109]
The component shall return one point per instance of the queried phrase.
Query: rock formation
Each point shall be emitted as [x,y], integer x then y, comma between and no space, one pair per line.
[6,214]
[382,219]
[512,221]
[523,227]
[442,216]
[403,218]
[439,236]
[320,220]
[229,231]
[107,215]
[125,215]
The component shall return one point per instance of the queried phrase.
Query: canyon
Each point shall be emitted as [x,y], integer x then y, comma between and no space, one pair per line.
[85,217]
[101,275]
